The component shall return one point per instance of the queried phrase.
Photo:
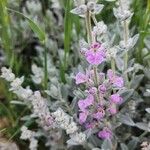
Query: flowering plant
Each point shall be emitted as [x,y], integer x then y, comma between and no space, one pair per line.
[88,108]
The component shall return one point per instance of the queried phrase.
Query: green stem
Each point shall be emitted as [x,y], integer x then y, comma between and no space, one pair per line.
[113,67]
[143,134]
[5,31]
[45,67]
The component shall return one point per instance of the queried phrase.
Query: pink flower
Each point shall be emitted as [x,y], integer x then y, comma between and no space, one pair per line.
[110,75]
[83,117]
[81,78]
[116,98]
[90,99]
[101,76]
[102,89]
[115,80]
[96,54]
[99,115]
[84,103]
[90,125]
[106,133]
[118,82]
[92,90]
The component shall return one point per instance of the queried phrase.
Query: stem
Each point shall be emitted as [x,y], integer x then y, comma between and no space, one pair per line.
[126,52]
[94,20]
[126,34]
[96,76]
[45,67]
[143,134]
[88,27]
[113,64]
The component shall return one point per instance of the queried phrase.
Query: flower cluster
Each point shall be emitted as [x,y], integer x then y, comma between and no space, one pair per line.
[145,146]
[100,101]
[87,5]
[64,121]
[102,96]
[41,110]
[39,104]
[122,12]
[56,120]
[31,136]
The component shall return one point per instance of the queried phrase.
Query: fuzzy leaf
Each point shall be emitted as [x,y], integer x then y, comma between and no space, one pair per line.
[133,143]
[126,94]
[123,146]
[126,119]
[107,145]
[136,81]
[119,63]
[17,102]
[142,126]
[148,110]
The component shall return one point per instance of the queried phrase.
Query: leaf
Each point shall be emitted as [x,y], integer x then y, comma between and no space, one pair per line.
[110,0]
[126,94]
[107,145]
[5,33]
[135,39]
[17,102]
[147,42]
[143,126]
[36,29]
[123,146]
[148,110]
[136,81]
[126,119]
[119,63]
[133,143]
[67,38]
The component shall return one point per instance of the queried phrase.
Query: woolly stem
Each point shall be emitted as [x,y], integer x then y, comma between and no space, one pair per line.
[96,76]
[88,27]
[126,34]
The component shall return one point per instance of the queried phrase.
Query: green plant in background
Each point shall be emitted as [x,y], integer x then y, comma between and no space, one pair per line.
[67,38]
[142,18]
[5,31]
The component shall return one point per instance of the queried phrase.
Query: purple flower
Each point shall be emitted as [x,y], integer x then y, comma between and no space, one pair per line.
[90,125]
[110,75]
[102,89]
[83,117]
[106,133]
[115,80]
[84,103]
[99,115]
[101,76]
[92,90]
[96,54]
[116,98]
[118,82]
[81,78]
